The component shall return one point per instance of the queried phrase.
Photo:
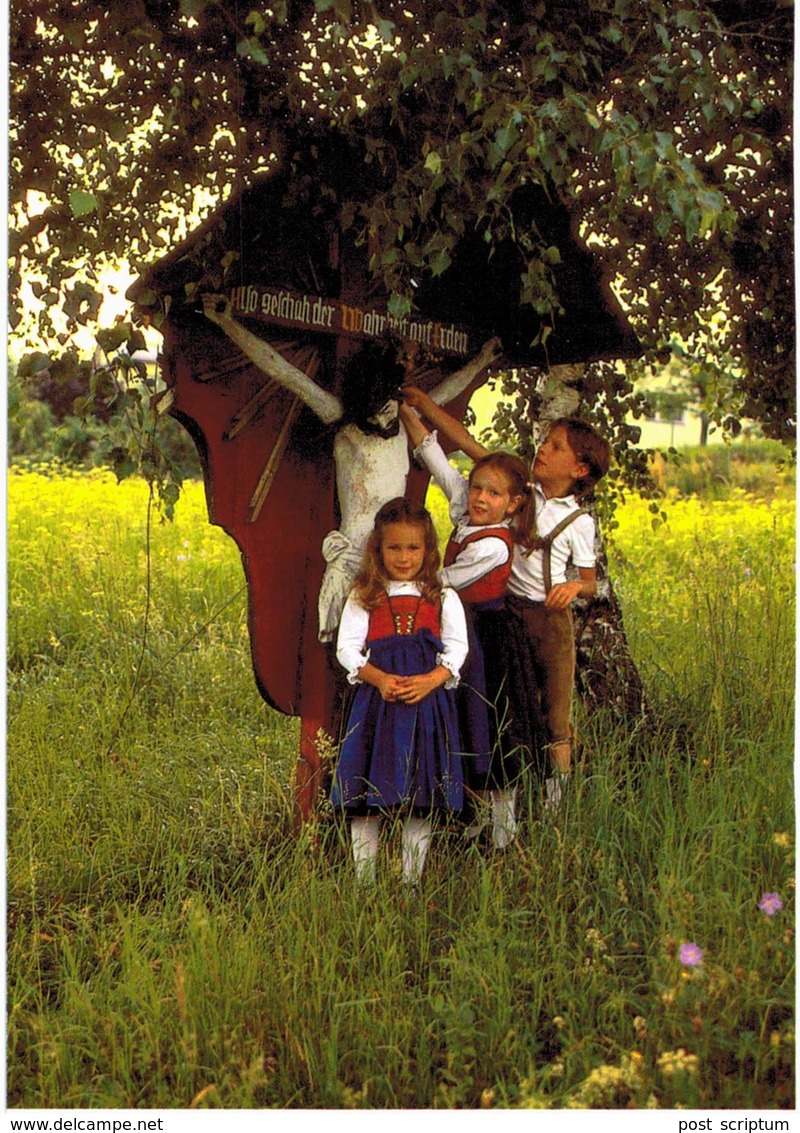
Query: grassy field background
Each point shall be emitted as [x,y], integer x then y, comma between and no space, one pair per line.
[171,944]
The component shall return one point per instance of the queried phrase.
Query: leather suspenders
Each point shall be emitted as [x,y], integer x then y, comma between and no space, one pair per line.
[544,542]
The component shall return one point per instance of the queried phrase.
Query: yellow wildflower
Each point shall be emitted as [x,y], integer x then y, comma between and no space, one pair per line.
[673,1062]
[610,1087]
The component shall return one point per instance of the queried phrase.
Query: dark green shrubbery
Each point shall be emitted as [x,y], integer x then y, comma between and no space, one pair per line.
[61,414]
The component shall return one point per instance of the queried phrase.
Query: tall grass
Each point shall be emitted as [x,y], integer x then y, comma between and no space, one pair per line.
[171,944]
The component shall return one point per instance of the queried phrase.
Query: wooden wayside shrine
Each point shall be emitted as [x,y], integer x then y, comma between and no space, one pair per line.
[300,281]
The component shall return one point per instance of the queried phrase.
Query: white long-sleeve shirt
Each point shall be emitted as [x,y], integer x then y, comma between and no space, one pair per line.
[351,644]
[575,543]
[480,557]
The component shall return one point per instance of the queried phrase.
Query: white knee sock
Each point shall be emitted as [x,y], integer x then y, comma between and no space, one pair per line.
[416,840]
[504,824]
[364,833]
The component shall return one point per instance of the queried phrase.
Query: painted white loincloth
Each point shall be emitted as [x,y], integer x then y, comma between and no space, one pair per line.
[344,560]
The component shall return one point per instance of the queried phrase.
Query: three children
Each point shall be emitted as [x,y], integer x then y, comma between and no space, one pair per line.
[410,742]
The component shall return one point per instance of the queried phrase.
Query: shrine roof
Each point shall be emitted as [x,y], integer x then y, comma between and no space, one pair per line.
[285,233]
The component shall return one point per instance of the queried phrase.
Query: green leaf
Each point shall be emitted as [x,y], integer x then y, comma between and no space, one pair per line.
[386,30]
[710,200]
[251,49]
[136,342]
[504,138]
[111,338]
[645,167]
[147,298]
[687,19]
[440,262]
[433,163]
[662,224]
[693,220]
[256,20]
[342,9]
[82,203]
[398,306]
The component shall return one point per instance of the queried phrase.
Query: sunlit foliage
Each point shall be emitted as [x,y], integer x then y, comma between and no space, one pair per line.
[665,128]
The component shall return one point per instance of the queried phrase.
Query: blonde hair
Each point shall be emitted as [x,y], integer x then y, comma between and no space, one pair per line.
[370,583]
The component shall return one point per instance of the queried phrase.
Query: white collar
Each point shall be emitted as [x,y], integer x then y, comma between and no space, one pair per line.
[464,527]
[568,501]
[402,586]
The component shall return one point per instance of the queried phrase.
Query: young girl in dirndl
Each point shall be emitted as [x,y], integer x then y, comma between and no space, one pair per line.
[477,563]
[402,641]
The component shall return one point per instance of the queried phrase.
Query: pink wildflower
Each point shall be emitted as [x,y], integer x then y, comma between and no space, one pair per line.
[691,954]
[770,904]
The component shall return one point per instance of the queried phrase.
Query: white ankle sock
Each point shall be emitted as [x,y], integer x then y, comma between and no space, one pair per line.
[416,840]
[554,789]
[364,835]
[504,823]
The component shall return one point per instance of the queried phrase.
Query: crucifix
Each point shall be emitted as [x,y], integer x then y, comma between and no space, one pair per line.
[288,380]
[370,448]
[371,462]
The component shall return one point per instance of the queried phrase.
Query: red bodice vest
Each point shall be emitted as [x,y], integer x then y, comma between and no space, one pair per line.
[492,585]
[404,614]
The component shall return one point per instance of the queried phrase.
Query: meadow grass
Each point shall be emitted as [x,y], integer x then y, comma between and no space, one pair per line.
[172,944]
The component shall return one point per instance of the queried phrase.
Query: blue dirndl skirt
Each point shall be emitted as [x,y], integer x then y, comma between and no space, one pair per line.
[396,754]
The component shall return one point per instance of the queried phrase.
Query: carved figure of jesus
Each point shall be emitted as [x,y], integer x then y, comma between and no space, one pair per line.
[370,450]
